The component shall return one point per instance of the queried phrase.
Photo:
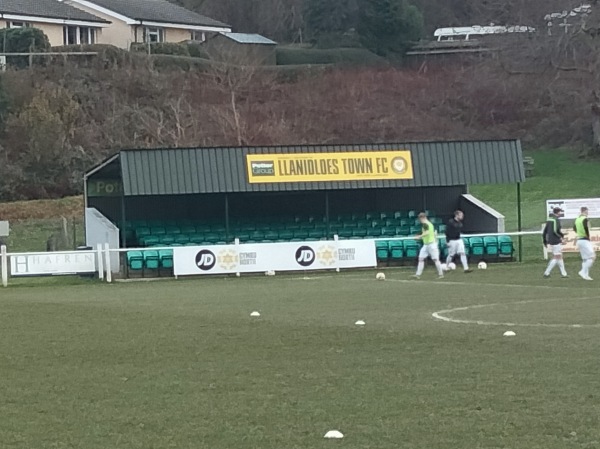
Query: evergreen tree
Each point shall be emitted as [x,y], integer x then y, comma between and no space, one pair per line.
[329,17]
[389,26]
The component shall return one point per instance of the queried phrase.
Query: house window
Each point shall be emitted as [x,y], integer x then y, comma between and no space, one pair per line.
[153,35]
[199,36]
[73,35]
[18,24]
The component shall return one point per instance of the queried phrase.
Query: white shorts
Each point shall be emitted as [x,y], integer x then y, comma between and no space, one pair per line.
[556,249]
[456,247]
[432,250]
[586,248]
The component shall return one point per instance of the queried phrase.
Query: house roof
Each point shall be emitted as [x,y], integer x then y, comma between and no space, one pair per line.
[157,11]
[49,9]
[245,38]
[181,171]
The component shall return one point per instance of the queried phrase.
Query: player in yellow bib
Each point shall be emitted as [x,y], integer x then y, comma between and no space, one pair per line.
[430,247]
[586,248]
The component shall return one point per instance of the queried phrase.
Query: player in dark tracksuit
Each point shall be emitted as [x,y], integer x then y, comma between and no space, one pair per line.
[454,241]
[553,239]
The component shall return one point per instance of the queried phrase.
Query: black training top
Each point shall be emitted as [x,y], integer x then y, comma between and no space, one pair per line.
[453,229]
[553,234]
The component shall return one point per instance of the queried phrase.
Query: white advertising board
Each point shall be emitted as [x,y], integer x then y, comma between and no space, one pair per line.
[570,245]
[572,207]
[263,257]
[36,264]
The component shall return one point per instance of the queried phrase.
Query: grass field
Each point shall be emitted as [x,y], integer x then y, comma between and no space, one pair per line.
[558,174]
[181,364]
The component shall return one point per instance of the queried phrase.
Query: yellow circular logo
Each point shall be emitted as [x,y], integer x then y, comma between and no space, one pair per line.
[399,165]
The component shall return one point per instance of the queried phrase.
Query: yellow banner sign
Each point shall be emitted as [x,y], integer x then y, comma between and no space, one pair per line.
[329,167]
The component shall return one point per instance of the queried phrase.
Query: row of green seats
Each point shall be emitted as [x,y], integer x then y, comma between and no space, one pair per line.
[491,246]
[150,259]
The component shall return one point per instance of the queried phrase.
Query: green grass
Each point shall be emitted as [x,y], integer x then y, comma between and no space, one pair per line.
[181,364]
[558,174]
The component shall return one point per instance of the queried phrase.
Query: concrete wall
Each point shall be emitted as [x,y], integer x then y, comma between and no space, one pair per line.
[479,217]
[224,49]
[99,230]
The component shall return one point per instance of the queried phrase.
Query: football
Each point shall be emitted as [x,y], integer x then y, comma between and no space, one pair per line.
[380,277]
[452,266]
[444,267]
[482,265]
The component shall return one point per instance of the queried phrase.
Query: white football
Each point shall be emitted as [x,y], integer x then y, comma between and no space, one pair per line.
[380,276]
[270,273]
[444,267]
[452,266]
[482,266]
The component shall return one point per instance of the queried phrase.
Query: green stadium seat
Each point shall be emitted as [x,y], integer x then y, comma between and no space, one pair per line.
[360,233]
[396,250]
[292,227]
[316,234]
[505,245]
[412,214]
[212,237]
[167,239]
[185,222]
[477,246]
[150,240]
[411,249]
[142,232]
[443,248]
[151,259]
[374,232]
[202,228]
[382,249]
[441,228]
[399,214]
[350,224]
[306,226]
[285,235]
[436,220]
[345,233]
[166,258]
[415,230]
[403,231]
[137,224]
[173,229]
[321,225]
[363,224]
[135,260]
[188,229]
[389,232]
[182,239]
[271,235]
[197,239]
[491,246]
[301,234]
[430,213]
[158,230]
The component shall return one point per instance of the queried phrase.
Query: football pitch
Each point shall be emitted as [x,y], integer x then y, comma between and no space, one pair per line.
[181,364]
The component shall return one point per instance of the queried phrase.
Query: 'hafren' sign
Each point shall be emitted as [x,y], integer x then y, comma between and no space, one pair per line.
[324,167]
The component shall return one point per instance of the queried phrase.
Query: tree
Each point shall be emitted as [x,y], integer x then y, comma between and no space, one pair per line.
[23,40]
[389,26]
[329,17]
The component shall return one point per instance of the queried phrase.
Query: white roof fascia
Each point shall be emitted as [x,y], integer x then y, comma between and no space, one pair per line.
[38,19]
[108,12]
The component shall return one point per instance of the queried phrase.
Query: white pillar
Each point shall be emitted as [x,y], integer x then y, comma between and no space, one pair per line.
[4,263]
[100,258]
[108,267]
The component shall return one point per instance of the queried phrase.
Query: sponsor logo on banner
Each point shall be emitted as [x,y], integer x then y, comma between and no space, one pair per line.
[263,168]
[570,245]
[305,256]
[329,167]
[262,257]
[206,260]
[572,207]
[53,263]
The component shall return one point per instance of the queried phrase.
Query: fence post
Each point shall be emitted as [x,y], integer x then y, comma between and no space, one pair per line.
[4,263]
[336,239]
[108,267]
[100,256]
[237,249]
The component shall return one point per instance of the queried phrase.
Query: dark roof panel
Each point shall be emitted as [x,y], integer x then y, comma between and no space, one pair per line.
[161,11]
[219,170]
[51,9]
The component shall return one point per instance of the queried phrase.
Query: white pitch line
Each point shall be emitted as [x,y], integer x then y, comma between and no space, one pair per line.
[440,315]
